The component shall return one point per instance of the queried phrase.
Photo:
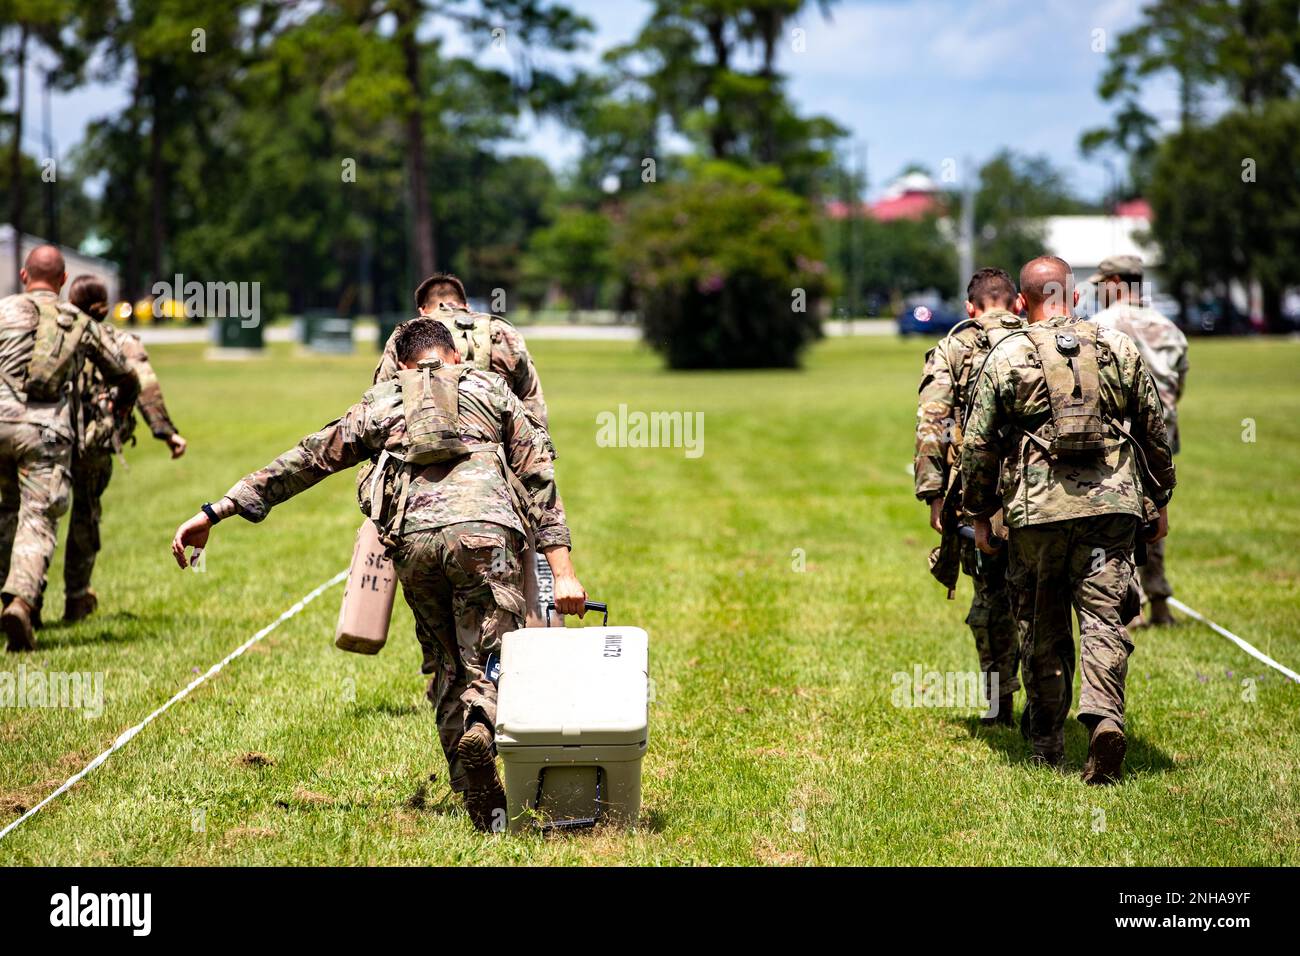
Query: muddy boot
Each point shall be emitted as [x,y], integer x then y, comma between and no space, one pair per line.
[485,799]
[16,621]
[1106,749]
[1161,616]
[80,607]
[1005,716]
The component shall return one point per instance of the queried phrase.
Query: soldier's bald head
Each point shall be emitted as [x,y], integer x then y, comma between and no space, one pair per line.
[1047,284]
[44,267]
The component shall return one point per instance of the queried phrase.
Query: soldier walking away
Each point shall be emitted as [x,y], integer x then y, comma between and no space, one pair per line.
[1066,435]
[459,474]
[943,403]
[43,346]
[101,434]
[1164,350]
[489,343]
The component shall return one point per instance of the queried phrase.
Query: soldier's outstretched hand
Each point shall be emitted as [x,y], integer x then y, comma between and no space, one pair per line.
[177,444]
[192,534]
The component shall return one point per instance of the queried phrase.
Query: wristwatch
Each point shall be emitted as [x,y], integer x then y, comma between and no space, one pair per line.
[208,510]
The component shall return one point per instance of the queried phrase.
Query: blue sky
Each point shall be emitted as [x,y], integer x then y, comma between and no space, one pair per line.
[912,80]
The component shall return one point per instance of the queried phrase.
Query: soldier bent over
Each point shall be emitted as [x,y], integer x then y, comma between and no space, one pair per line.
[459,473]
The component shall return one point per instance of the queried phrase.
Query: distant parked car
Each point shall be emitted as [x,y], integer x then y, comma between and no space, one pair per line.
[927,318]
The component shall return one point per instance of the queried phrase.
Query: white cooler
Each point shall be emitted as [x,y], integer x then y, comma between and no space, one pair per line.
[572,725]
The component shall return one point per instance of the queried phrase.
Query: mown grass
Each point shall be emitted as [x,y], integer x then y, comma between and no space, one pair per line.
[773,737]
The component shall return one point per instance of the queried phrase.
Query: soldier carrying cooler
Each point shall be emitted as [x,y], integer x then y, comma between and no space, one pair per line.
[488,343]
[459,473]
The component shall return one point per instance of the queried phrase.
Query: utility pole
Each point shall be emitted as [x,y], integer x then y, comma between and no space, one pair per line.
[16,160]
[966,227]
[51,187]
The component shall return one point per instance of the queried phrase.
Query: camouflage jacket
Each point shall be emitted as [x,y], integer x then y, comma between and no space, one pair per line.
[944,396]
[19,317]
[508,357]
[1011,402]
[100,430]
[1164,350]
[472,488]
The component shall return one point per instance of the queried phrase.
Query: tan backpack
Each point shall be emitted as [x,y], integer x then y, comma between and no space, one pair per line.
[59,332]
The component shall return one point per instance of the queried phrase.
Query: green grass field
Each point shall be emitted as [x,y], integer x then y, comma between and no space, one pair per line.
[773,738]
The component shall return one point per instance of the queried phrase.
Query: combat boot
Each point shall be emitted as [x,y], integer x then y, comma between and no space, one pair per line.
[1160,613]
[16,621]
[1005,715]
[80,607]
[485,799]
[1106,749]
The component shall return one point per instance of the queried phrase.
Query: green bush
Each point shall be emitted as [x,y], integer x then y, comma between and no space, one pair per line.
[726,268]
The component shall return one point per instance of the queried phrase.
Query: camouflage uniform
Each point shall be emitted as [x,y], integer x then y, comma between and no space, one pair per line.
[1072,520]
[950,370]
[454,534]
[1164,350]
[36,437]
[490,343]
[92,461]
[507,355]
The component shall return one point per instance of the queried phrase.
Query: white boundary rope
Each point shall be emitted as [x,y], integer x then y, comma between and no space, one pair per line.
[1244,645]
[126,736]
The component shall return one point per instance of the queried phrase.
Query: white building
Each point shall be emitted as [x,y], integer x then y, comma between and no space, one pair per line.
[78,263]
[1083,241]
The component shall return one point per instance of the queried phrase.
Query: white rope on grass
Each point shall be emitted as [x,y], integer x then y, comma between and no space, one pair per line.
[126,736]
[1244,645]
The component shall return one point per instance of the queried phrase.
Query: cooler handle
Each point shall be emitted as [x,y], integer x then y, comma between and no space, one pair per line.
[591,606]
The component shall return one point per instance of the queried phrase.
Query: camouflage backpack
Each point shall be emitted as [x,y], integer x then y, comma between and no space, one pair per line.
[59,332]
[472,333]
[1068,356]
[430,404]
[431,408]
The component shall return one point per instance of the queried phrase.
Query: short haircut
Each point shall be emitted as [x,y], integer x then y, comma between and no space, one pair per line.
[89,294]
[417,338]
[991,288]
[45,264]
[1047,277]
[440,285]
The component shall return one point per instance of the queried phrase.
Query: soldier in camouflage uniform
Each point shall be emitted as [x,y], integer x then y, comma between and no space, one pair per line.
[1164,350]
[43,346]
[453,526]
[489,343]
[101,434]
[944,399]
[1067,436]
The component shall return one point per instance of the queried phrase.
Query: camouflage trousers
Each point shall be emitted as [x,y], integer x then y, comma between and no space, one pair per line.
[1085,564]
[91,472]
[463,582]
[34,483]
[1154,582]
[997,640]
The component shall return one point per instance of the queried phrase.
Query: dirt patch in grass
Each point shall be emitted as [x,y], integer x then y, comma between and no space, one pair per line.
[17,802]
[247,833]
[256,759]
